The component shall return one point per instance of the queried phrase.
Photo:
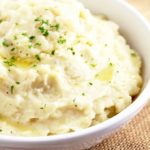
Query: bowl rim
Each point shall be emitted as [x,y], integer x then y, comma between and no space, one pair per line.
[141,100]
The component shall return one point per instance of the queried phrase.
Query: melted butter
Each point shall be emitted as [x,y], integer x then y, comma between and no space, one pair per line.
[25,62]
[106,74]
[21,62]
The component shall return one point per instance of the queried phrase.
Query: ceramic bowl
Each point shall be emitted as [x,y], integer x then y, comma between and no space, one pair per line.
[137,32]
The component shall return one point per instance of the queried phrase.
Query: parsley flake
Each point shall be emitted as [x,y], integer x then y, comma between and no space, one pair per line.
[83,94]
[90,83]
[12,89]
[55,27]
[6,43]
[38,57]
[24,34]
[17,82]
[43,31]
[15,37]
[37,44]
[53,52]
[133,54]
[37,19]
[61,40]
[32,37]
[110,64]
[12,49]
[11,61]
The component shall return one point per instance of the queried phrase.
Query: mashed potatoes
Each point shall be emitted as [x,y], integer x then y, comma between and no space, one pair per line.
[62,69]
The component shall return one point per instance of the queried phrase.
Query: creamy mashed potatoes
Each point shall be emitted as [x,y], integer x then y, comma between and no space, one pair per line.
[62,69]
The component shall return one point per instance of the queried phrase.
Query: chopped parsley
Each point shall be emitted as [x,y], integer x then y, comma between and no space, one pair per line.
[12,49]
[30,46]
[11,61]
[45,26]
[46,33]
[133,54]
[55,27]
[110,64]
[15,37]
[38,57]
[83,94]
[32,37]
[1,20]
[61,40]
[45,22]
[90,83]
[53,52]
[37,44]
[24,34]
[12,89]
[17,82]
[34,66]
[6,43]
[72,50]
[37,19]
[43,31]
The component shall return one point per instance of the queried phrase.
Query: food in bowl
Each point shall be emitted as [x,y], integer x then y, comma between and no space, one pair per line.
[63,69]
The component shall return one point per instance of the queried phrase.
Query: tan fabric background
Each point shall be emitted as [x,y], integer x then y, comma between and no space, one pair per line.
[136,134]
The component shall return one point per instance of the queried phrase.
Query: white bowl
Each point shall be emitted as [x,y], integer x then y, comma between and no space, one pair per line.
[137,31]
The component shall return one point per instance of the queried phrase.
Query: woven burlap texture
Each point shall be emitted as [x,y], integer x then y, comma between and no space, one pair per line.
[133,136]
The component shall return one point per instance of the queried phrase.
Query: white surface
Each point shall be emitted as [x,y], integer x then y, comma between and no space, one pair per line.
[137,31]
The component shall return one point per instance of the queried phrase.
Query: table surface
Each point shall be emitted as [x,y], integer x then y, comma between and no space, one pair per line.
[136,134]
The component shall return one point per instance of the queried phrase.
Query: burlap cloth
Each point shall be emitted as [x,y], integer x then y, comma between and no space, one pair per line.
[136,134]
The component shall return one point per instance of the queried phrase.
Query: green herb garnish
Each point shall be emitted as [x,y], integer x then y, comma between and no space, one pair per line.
[90,83]
[72,50]
[133,54]
[43,31]
[55,27]
[32,37]
[37,44]
[83,94]
[37,19]
[1,20]
[12,49]
[45,22]
[38,57]
[15,37]
[11,61]
[12,89]
[53,52]
[6,43]
[24,34]
[110,64]
[61,40]
[30,46]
